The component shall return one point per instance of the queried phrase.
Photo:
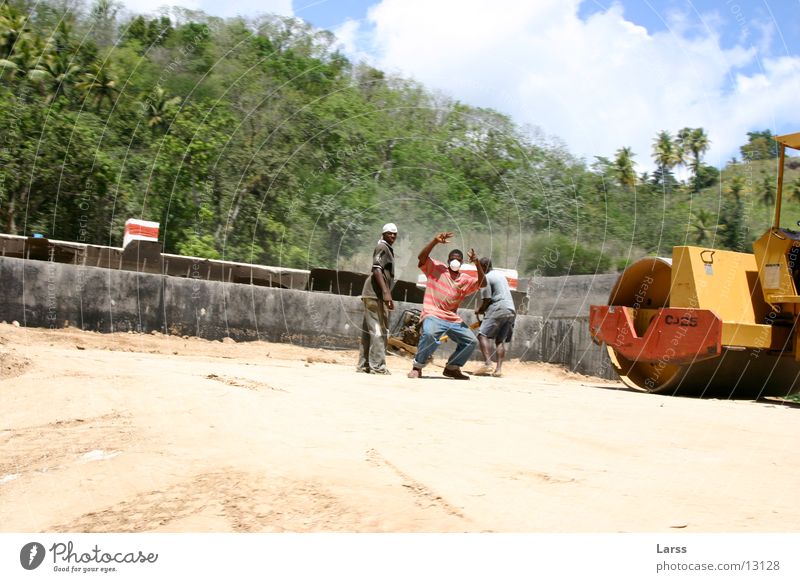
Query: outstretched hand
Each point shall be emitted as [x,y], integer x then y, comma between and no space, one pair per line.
[443,237]
[472,255]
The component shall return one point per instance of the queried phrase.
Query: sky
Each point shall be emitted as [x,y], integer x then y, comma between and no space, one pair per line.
[597,75]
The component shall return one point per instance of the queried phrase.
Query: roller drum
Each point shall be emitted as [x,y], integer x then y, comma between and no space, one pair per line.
[735,373]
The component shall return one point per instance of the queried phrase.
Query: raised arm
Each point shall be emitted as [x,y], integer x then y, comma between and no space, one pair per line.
[441,238]
[473,258]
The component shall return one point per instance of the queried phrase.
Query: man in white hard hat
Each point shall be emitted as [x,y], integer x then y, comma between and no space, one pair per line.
[377,298]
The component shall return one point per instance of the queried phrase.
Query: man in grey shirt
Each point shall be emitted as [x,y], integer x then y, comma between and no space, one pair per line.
[499,314]
[377,298]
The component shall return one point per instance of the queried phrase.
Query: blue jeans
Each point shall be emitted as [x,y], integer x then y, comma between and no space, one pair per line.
[432,329]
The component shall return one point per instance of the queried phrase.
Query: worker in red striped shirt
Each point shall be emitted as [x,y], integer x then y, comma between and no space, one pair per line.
[447,286]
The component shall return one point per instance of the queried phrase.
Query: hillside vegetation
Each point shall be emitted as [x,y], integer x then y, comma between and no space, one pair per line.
[258,141]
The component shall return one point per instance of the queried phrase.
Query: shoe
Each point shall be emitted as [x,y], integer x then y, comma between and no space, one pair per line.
[497,374]
[415,373]
[455,373]
[382,372]
[362,370]
[485,370]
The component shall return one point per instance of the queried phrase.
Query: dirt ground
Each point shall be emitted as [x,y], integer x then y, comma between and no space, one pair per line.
[129,432]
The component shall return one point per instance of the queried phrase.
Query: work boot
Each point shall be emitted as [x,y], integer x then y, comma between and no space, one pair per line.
[455,373]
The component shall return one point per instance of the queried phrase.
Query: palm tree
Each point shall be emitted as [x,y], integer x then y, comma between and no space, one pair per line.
[159,107]
[699,144]
[56,73]
[704,226]
[20,48]
[13,28]
[766,194]
[767,191]
[623,167]
[58,69]
[98,85]
[682,140]
[666,152]
[104,15]
[736,186]
[695,142]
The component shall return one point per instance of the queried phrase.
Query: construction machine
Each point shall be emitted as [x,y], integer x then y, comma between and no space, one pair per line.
[404,337]
[708,322]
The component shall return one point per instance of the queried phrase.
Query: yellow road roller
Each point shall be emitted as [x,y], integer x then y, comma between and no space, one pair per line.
[707,322]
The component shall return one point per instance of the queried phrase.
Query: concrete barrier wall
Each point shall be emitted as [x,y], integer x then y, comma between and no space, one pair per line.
[568,296]
[48,294]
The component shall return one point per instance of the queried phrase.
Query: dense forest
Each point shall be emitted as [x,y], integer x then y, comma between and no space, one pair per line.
[258,141]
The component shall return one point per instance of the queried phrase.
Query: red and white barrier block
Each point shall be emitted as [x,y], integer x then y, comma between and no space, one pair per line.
[139,230]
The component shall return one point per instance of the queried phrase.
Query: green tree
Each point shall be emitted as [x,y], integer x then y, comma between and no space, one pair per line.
[704,227]
[98,85]
[794,189]
[736,187]
[20,47]
[623,167]
[694,143]
[732,217]
[559,255]
[256,140]
[766,195]
[159,108]
[14,29]
[760,146]
[55,75]
[666,154]
[104,21]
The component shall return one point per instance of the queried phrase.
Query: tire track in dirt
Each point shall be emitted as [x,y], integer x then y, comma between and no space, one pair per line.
[243,383]
[13,364]
[424,496]
[59,443]
[248,502]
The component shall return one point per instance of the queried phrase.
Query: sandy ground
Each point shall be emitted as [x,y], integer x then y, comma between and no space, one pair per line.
[127,433]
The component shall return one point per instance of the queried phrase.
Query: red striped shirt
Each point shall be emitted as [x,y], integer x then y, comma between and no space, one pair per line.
[443,294]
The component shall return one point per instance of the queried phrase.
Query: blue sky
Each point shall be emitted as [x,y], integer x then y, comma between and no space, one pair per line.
[595,74]
[331,14]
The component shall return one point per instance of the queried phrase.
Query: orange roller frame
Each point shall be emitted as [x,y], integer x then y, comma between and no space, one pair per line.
[675,335]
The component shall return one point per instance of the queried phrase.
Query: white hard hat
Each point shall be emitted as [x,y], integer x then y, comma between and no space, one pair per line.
[390,227]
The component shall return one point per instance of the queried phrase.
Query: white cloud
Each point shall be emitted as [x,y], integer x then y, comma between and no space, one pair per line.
[223,9]
[150,7]
[347,34]
[600,83]
[247,7]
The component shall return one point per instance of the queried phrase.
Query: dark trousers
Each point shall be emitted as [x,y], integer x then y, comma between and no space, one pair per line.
[374,333]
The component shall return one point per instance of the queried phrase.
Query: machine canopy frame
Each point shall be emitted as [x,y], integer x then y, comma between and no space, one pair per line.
[789,140]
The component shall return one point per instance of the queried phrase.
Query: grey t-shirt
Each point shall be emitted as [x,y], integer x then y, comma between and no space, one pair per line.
[383,257]
[499,292]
